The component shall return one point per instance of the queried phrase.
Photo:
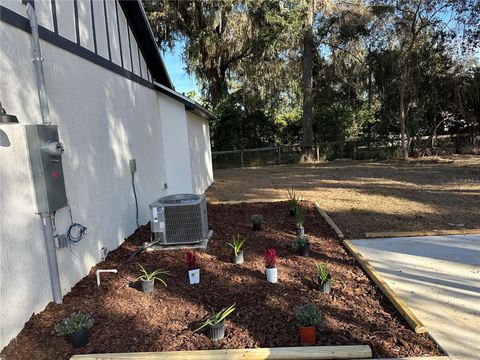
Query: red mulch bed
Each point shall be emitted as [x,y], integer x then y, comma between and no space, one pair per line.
[126,320]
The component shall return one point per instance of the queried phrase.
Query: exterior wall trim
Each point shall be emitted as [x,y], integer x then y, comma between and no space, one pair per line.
[12,18]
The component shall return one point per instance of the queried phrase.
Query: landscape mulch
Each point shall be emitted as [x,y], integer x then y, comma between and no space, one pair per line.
[127,320]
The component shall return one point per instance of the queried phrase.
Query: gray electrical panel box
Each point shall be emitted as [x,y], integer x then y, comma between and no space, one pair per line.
[46,162]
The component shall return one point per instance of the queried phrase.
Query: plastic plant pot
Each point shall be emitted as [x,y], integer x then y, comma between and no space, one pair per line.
[238,260]
[291,212]
[307,335]
[271,274]
[148,285]
[326,287]
[300,231]
[256,226]
[79,338]
[305,250]
[216,331]
[194,276]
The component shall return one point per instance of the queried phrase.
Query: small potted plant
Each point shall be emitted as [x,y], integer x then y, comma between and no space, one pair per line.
[308,317]
[148,278]
[324,279]
[302,246]
[75,328]
[236,245]
[257,221]
[271,265]
[292,202]
[299,219]
[216,323]
[193,269]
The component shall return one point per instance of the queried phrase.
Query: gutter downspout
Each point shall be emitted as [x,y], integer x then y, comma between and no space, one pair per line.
[46,217]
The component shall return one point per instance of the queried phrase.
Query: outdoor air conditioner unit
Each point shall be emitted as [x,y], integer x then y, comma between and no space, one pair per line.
[179,219]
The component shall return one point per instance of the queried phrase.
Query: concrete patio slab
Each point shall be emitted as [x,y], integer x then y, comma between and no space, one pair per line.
[439,279]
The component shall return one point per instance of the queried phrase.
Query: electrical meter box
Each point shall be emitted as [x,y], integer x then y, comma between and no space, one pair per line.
[46,161]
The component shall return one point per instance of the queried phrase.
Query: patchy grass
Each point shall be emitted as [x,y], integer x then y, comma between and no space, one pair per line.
[365,196]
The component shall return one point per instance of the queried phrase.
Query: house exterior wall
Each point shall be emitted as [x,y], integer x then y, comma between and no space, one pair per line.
[104,120]
[200,153]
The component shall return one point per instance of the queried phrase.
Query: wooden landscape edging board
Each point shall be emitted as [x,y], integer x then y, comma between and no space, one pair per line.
[399,304]
[390,234]
[282,353]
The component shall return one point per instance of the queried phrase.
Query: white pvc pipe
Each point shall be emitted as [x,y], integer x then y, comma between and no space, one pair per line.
[104,271]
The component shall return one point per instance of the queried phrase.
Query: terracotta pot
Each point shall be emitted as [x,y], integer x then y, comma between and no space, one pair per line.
[307,335]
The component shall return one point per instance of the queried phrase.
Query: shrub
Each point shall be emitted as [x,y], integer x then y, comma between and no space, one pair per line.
[299,242]
[257,219]
[308,315]
[75,322]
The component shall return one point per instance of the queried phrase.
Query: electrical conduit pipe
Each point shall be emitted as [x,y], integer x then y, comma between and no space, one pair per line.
[46,218]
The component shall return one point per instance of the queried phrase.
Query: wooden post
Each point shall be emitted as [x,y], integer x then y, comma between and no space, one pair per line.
[354,150]
[241,157]
[318,152]
[279,154]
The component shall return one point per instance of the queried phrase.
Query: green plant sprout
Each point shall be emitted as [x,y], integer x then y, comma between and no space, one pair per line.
[217,318]
[236,244]
[154,275]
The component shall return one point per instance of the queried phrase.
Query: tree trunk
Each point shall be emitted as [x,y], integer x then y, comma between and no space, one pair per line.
[307,129]
[403,139]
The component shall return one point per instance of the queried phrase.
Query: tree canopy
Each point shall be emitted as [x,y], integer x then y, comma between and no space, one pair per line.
[377,69]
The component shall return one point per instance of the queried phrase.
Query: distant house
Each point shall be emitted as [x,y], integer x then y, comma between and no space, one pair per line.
[111,96]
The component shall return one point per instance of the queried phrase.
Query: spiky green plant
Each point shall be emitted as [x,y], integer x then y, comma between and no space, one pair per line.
[75,322]
[216,318]
[292,199]
[322,272]
[299,215]
[153,275]
[236,244]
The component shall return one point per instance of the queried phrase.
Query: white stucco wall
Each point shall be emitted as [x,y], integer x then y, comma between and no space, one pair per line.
[174,128]
[200,152]
[104,121]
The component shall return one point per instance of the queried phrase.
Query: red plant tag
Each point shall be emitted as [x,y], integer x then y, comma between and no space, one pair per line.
[270,258]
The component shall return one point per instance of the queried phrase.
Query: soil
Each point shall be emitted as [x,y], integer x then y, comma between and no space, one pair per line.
[127,320]
[422,194]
